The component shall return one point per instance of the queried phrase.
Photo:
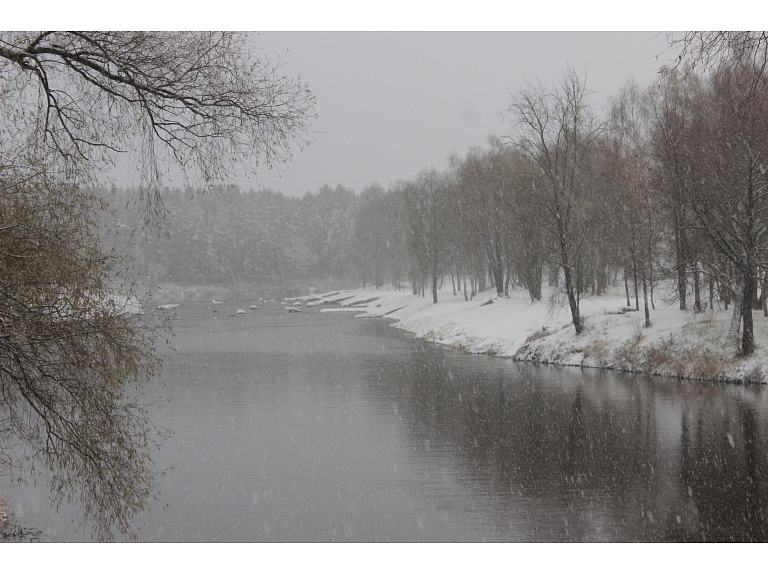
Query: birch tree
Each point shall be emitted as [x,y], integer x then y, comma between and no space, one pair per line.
[556,128]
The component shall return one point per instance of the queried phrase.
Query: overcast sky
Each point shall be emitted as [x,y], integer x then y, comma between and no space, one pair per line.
[392,104]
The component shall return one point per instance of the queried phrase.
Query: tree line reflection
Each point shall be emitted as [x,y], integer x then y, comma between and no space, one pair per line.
[585,455]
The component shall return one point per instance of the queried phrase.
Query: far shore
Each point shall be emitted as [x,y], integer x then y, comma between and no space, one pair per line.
[679,344]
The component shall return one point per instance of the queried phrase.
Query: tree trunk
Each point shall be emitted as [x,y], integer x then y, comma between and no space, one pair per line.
[434,280]
[696,288]
[497,269]
[553,275]
[747,304]
[680,257]
[532,276]
[602,272]
[763,294]
[645,301]
[650,279]
[650,256]
[733,331]
[634,280]
[569,288]
[626,286]
[578,282]
[758,296]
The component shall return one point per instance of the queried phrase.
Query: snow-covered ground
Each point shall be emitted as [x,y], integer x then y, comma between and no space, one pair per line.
[678,343]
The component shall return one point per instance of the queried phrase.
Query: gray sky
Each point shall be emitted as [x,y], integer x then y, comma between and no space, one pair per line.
[392,103]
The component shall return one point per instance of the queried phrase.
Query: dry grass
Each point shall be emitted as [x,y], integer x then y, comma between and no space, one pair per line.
[756,375]
[430,337]
[538,334]
[707,366]
[656,357]
[597,351]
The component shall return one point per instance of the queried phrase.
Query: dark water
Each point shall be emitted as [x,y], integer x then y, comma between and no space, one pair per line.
[320,427]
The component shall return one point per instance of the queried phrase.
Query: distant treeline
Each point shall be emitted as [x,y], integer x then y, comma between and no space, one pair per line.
[230,237]
[671,184]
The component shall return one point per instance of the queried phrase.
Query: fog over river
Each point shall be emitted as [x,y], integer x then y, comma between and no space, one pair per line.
[320,427]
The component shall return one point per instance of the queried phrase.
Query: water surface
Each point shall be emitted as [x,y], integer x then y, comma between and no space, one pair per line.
[319,427]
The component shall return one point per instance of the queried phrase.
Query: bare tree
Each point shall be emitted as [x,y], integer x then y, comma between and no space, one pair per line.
[672,108]
[557,128]
[73,354]
[727,192]
[628,130]
[429,197]
[482,183]
[726,54]
[731,198]
[368,248]
[199,100]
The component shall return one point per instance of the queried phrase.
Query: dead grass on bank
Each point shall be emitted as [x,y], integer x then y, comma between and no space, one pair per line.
[538,334]
[684,354]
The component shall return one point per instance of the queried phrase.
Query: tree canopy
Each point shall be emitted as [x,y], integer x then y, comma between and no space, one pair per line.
[200,101]
[74,345]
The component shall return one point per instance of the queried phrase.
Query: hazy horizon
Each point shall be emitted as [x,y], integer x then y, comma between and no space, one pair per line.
[391,104]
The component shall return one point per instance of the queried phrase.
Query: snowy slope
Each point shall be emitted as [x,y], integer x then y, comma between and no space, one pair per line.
[678,343]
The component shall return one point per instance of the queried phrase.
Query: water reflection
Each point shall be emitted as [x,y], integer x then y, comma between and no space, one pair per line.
[571,455]
[319,427]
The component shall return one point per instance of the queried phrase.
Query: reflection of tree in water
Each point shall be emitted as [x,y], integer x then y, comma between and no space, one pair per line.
[723,463]
[563,455]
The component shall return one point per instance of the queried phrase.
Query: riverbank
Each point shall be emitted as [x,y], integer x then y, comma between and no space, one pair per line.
[678,343]
[170,293]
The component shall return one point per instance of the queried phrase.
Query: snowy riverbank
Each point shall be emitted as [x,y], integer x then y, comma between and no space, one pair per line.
[678,344]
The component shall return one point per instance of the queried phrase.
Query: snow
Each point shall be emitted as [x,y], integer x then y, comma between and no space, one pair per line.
[678,343]
[168,306]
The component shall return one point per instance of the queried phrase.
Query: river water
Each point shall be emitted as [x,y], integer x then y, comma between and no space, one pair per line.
[320,427]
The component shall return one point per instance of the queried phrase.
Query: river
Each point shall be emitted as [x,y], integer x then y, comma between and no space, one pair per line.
[319,427]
